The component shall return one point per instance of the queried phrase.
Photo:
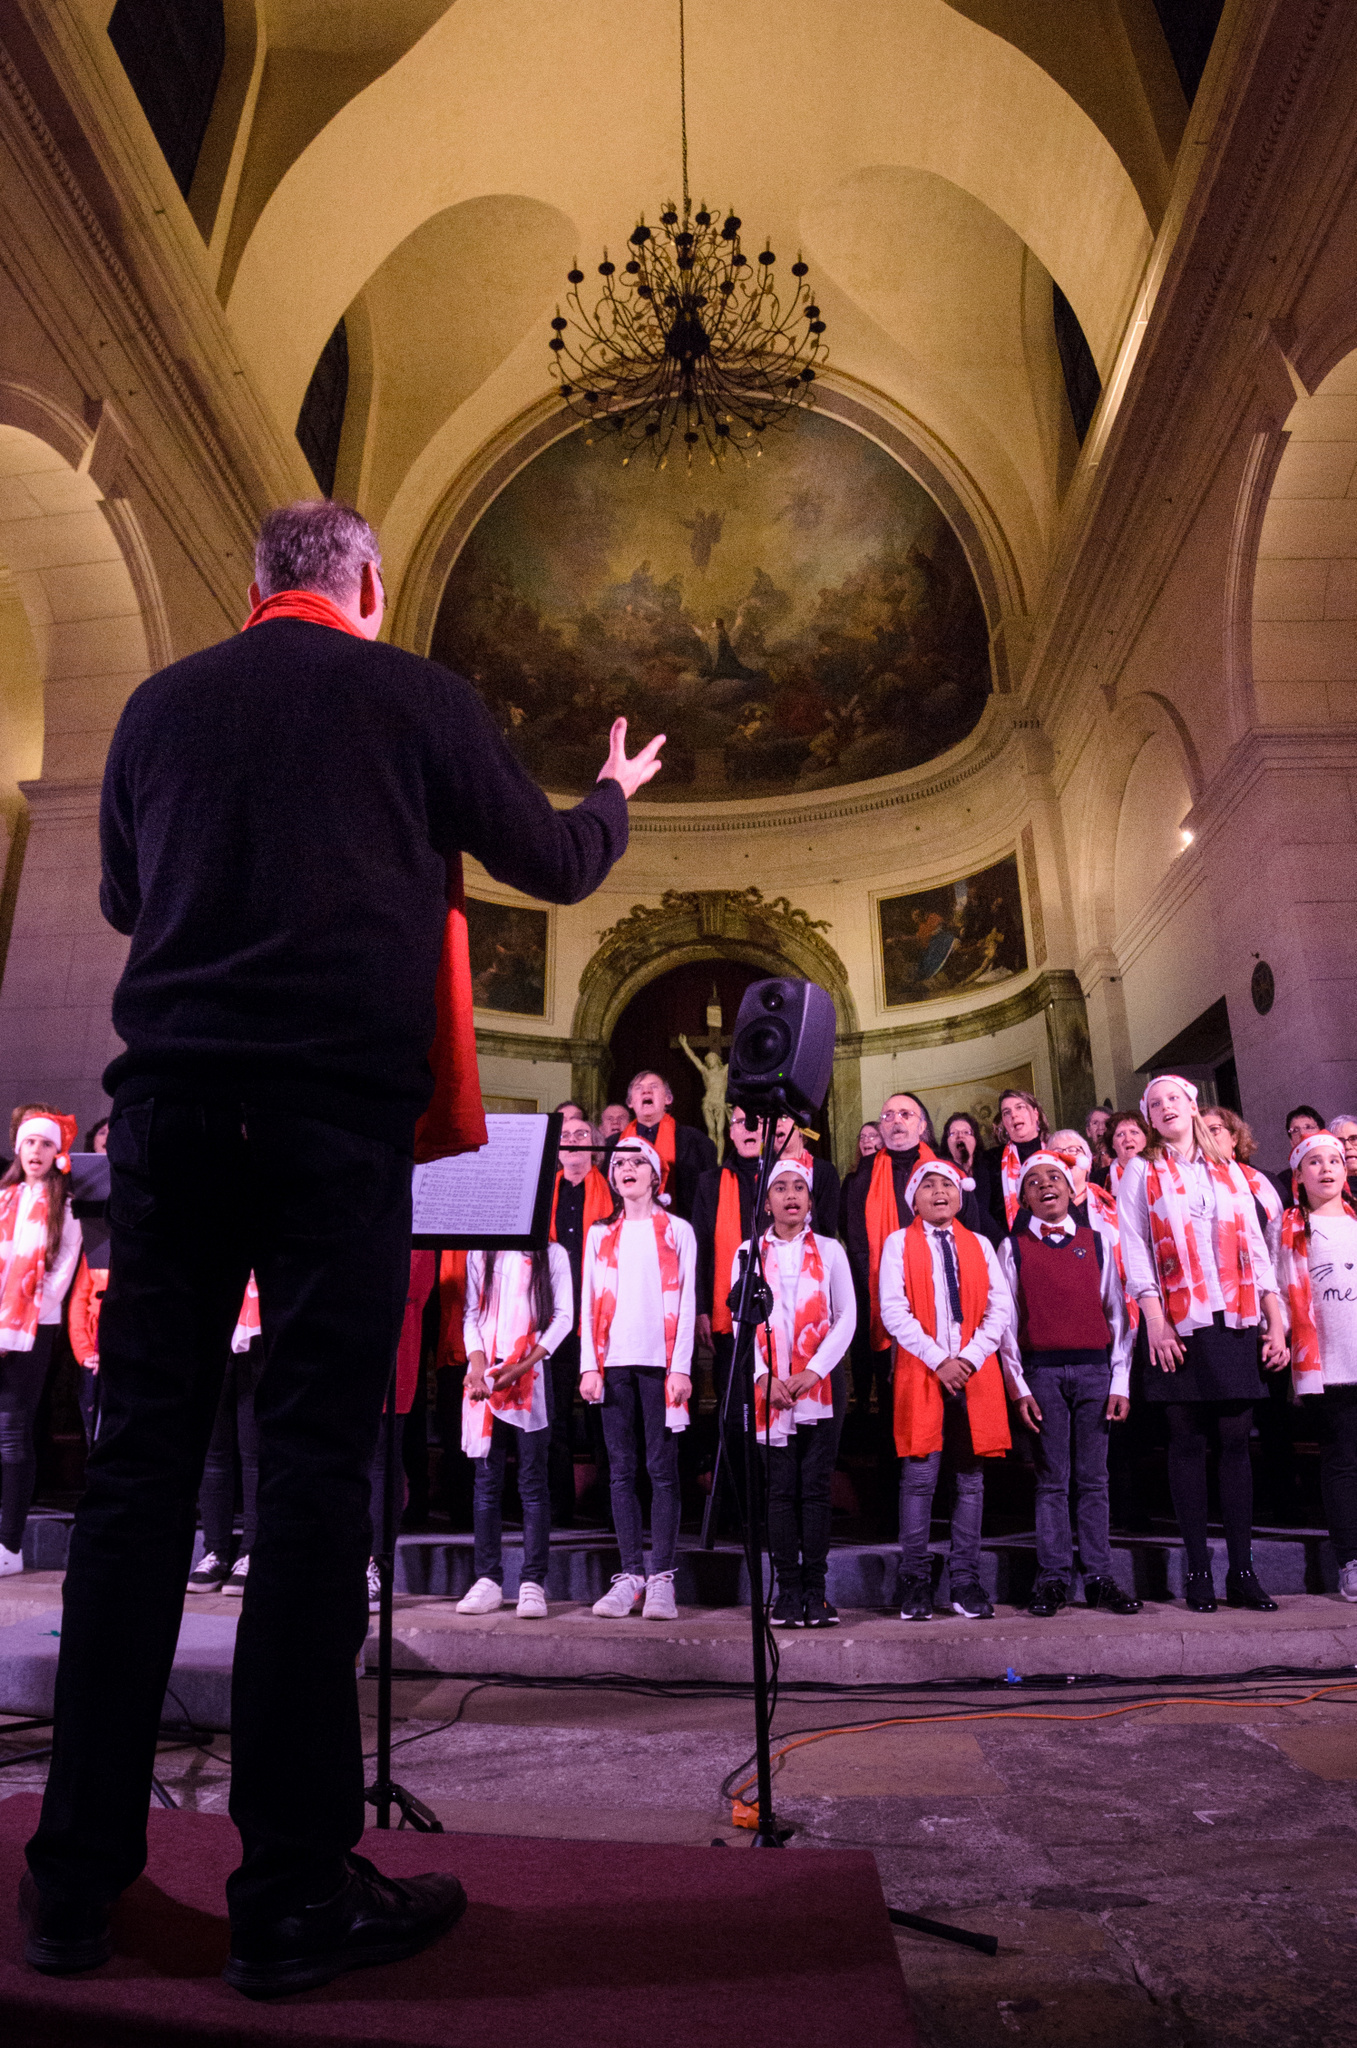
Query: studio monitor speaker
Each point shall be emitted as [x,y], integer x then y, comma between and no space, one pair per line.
[782,1052]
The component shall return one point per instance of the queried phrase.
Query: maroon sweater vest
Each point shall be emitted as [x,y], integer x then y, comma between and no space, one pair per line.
[1060,1295]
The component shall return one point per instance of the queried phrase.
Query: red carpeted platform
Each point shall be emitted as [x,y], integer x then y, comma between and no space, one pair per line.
[608,1944]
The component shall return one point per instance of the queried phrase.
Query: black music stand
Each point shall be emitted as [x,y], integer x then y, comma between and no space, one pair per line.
[497,1199]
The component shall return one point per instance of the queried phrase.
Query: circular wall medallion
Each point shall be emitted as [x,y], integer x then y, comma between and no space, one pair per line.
[1263,988]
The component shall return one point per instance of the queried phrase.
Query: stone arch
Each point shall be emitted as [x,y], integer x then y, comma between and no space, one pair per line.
[711,924]
[83,627]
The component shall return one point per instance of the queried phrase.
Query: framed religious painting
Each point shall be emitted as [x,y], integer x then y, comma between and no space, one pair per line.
[956,939]
[510,947]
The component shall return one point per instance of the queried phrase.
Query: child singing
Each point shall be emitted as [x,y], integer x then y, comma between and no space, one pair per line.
[39,1249]
[1068,1361]
[946,1305]
[519,1307]
[812,1323]
[636,1349]
[1318,1275]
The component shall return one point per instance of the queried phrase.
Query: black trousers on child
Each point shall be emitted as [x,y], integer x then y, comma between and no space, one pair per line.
[203,1190]
[23,1375]
[1336,1412]
[234,1430]
[800,1474]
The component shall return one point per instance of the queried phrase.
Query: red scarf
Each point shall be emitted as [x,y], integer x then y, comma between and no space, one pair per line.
[1180,1259]
[23,1265]
[451,1308]
[664,1143]
[1010,1180]
[454,1121]
[883,1220]
[729,1238]
[918,1397]
[1307,1366]
[598,1204]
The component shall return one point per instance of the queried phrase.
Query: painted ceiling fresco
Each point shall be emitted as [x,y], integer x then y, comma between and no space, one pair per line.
[796,621]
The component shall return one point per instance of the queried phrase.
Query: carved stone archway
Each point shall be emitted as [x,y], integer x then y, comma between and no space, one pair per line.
[712,924]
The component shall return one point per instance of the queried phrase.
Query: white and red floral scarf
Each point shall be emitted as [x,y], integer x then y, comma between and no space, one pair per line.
[671,1287]
[1180,1260]
[810,1327]
[1102,1214]
[23,1265]
[507,1334]
[1307,1367]
[1010,1180]
[247,1323]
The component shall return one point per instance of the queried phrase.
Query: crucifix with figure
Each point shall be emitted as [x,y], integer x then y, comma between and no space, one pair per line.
[712,1068]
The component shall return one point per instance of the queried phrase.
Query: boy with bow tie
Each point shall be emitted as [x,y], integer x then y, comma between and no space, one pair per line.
[1067,1357]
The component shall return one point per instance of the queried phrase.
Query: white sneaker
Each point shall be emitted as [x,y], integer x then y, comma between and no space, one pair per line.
[1347,1579]
[532,1602]
[239,1573]
[623,1594]
[11,1561]
[660,1603]
[374,1587]
[485,1596]
[210,1576]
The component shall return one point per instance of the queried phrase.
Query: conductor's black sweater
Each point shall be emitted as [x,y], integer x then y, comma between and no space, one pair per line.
[275,815]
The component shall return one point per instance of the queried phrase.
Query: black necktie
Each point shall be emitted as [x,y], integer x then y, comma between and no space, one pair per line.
[949,1267]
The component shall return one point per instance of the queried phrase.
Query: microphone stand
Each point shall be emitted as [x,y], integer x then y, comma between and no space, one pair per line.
[384,1793]
[750,1304]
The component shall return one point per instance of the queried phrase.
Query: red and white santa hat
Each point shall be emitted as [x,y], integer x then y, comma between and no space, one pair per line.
[797,1165]
[1047,1159]
[60,1129]
[946,1167]
[1188,1087]
[1310,1142]
[628,1148]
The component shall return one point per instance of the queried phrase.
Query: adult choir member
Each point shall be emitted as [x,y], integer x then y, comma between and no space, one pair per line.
[581,1198]
[685,1154]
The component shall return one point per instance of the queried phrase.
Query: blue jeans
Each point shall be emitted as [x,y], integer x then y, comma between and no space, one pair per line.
[625,1389]
[1073,1404]
[918,1484]
[532,1446]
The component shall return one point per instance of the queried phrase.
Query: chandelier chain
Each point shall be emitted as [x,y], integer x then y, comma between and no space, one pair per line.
[683,112]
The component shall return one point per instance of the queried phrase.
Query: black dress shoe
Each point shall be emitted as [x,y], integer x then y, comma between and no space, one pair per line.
[1107,1593]
[370,1919]
[62,1939]
[1199,1591]
[1243,1590]
[1048,1597]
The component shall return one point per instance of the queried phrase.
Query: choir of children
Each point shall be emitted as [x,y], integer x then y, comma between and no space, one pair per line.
[1155,1217]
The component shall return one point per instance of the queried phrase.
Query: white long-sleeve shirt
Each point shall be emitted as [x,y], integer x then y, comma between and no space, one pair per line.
[637,1333]
[478,1333]
[897,1312]
[1114,1308]
[839,1296]
[1203,1192]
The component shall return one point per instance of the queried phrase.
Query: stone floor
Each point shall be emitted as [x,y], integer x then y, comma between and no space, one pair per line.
[1179,1874]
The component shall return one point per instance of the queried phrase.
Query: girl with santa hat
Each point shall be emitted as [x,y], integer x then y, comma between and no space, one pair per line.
[799,1351]
[39,1251]
[1318,1273]
[1197,1263]
[637,1310]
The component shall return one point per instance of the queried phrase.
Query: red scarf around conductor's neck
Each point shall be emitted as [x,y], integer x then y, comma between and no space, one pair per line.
[454,1121]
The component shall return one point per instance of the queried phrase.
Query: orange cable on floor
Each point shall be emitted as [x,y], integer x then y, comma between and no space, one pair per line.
[747,1816]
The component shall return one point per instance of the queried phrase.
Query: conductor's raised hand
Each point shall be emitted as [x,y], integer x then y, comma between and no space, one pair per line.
[631,774]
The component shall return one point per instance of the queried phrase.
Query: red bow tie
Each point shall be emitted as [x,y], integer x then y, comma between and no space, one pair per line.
[1053,1236]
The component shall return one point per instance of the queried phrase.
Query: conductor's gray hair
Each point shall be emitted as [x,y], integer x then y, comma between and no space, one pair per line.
[315,544]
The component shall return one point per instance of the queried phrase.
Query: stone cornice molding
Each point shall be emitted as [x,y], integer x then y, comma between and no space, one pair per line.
[516,1045]
[62,803]
[1041,993]
[1260,138]
[221,436]
[1268,751]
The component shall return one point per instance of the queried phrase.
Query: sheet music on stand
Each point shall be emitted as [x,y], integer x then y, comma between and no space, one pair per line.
[497,1199]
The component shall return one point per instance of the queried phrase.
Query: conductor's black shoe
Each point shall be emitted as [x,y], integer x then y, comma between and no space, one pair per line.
[819,1613]
[1199,1591]
[370,1919]
[1107,1593]
[1243,1590]
[916,1600]
[61,1939]
[1048,1597]
[971,1602]
[789,1610]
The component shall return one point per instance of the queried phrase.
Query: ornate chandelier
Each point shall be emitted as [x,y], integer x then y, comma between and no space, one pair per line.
[690,340]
